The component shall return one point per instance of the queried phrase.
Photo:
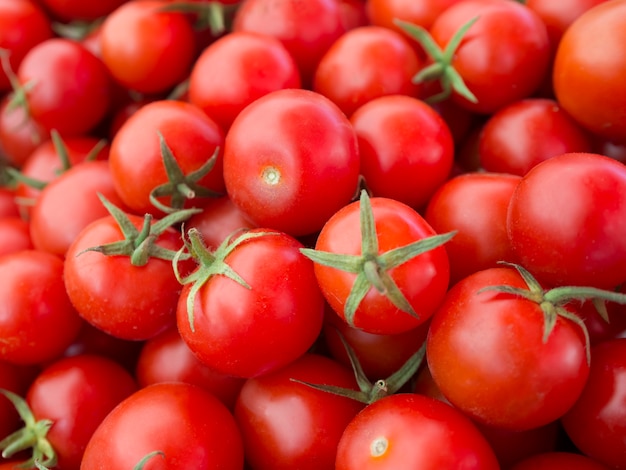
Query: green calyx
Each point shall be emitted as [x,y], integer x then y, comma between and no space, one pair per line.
[140,245]
[210,263]
[31,436]
[441,69]
[369,391]
[553,301]
[212,15]
[371,268]
[179,186]
[142,463]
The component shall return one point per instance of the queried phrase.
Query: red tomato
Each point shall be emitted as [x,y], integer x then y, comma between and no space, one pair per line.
[420,12]
[382,58]
[145,49]
[34,304]
[527,132]
[406,148]
[9,380]
[20,134]
[14,235]
[291,161]
[566,218]
[186,424]
[487,354]
[237,69]
[412,431]
[8,205]
[250,330]
[588,70]
[558,461]
[69,88]
[287,425]
[596,423]
[474,204]
[137,162]
[76,10]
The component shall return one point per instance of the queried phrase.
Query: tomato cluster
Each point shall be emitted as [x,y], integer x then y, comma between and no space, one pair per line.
[312,234]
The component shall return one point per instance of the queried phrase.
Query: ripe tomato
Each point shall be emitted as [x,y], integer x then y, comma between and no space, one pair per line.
[291,161]
[145,49]
[420,12]
[237,69]
[20,134]
[566,218]
[14,234]
[588,70]
[186,424]
[286,424]
[558,461]
[77,10]
[412,431]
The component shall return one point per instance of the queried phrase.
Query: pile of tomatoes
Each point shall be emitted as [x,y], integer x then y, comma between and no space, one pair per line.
[313,234]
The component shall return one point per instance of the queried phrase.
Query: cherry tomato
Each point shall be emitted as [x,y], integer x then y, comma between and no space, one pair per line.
[14,235]
[77,10]
[558,461]
[420,12]
[20,134]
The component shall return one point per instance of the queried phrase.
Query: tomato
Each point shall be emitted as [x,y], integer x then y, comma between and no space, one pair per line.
[33,304]
[367,286]
[558,461]
[307,28]
[69,89]
[237,69]
[147,50]
[138,157]
[420,12]
[382,58]
[286,424]
[474,204]
[487,353]
[406,148]
[588,70]
[527,132]
[412,431]
[14,235]
[596,423]
[76,10]
[167,358]
[264,312]
[291,161]
[566,218]
[186,424]
[8,205]
[9,380]
[23,25]
[20,134]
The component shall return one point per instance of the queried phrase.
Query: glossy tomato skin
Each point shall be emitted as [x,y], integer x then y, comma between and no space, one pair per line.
[406,148]
[72,87]
[34,304]
[136,161]
[249,332]
[77,393]
[14,235]
[596,422]
[288,425]
[76,10]
[407,431]
[147,50]
[423,280]
[527,132]
[126,301]
[499,65]
[587,70]
[475,204]
[291,161]
[193,430]
[237,69]
[487,356]
[382,58]
[565,221]
[419,12]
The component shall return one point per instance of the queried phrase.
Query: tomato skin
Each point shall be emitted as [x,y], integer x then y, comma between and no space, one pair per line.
[250,65]
[193,430]
[34,303]
[291,160]
[137,164]
[147,50]
[565,221]
[423,280]
[384,60]
[485,353]
[527,132]
[419,12]
[475,204]
[9,380]
[14,235]
[288,425]
[558,461]
[249,332]
[20,134]
[73,10]
[414,426]
[406,148]
[588,70]
[72,87]
[76,393]
[596,422]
